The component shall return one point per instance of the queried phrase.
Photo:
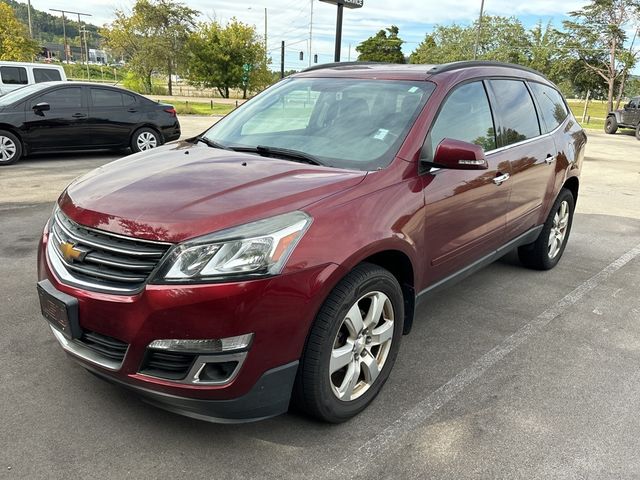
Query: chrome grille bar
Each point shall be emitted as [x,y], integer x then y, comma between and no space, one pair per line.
[107,262]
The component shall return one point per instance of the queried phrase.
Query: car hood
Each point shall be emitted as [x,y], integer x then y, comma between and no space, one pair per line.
[181,191]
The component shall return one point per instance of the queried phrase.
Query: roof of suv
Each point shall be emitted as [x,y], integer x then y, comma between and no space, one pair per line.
[416,71]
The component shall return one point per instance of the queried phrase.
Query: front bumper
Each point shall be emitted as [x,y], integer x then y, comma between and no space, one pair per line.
[278,311]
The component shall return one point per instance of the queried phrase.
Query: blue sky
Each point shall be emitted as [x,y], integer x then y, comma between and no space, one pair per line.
[290,21]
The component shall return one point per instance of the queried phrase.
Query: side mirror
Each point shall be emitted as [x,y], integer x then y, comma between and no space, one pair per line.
[459,155]
[41,107]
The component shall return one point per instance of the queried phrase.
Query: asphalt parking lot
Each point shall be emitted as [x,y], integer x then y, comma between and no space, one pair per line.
[512,374]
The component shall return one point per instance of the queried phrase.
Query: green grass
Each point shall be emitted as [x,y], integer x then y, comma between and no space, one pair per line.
[597,110]
[201,108]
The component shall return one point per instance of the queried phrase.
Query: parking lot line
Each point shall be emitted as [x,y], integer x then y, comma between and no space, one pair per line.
[367,454]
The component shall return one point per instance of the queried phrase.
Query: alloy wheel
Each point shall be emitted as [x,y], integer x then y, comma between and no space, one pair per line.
[361,346]
[146,141]
[558,229]
[7,149]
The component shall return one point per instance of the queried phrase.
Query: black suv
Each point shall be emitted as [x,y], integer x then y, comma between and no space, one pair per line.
[628,117]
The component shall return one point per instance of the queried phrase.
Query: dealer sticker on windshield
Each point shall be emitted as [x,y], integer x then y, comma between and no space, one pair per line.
[381,134]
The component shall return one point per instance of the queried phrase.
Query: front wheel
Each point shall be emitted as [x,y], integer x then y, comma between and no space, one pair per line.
[611,125]
[352,345]
[145,139]
[545,252]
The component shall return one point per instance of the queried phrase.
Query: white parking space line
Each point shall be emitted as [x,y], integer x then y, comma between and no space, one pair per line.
[367,455]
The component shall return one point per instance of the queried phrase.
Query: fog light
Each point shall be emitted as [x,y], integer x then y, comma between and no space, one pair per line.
[216,345]
[217,372]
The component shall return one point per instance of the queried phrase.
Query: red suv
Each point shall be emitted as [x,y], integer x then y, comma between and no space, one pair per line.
[280,255]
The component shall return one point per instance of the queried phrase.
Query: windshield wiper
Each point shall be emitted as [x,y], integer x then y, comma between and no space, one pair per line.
[211,143]
[284,153]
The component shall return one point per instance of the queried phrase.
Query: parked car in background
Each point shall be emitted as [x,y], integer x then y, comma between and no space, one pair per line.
[14,75]
[65,116]
[282,254]
[627,117]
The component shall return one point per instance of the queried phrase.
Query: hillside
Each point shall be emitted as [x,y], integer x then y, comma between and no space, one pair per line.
[48,27]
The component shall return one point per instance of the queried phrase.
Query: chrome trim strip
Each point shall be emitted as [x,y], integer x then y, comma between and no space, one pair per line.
[193,377]
[79,350]
[110,234]
[103,246]
[58,267]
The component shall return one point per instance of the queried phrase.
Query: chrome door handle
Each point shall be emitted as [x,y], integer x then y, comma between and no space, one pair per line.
[499,180]
[550,159]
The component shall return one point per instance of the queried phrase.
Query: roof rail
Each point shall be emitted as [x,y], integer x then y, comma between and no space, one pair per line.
[340,64]
[447,67]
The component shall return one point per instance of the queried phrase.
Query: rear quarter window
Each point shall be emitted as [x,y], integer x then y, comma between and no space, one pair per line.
[553,110]
[518,120]
[46,75]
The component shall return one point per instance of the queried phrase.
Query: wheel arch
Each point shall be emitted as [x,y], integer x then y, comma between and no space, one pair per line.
[399,264]
[14,130]
[147,125]
[573,185]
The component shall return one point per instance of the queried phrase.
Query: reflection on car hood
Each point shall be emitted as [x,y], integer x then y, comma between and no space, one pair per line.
[182,191]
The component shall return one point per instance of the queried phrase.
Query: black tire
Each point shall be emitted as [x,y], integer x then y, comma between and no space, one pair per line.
[10,148]
[638,131]
[314,388]
[145,138]
[538,255]
[610,125]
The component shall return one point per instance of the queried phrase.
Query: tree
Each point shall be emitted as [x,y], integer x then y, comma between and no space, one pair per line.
[152,38]
[227,57]
[382,47]
[15,43]
[596,36]
[501,38]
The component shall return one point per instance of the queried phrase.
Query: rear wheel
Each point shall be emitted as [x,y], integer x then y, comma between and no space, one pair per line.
[545,252]
[145,139]
[10,148]
[611,125]
[352,346]
[638,131]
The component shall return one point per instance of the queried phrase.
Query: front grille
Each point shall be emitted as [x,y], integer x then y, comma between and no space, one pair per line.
[169,365]
[104,346]
[106,261]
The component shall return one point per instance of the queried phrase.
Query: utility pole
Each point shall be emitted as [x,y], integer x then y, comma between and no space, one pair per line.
[477,45]
[265,34]
[282,60]
[86,49]
[29,17]
[64,28]
[310,32]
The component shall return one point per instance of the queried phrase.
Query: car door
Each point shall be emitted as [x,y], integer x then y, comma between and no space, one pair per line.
[112,116]
[465,210]
[64,125]
[634,112]
[531,156]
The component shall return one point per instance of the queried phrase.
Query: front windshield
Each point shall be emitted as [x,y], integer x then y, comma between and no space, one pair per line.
[346,123]
[18,94]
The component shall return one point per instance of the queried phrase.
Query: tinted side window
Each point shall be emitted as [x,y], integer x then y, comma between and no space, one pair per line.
[68,97]
[516,111]
[46,75]
[466,116]
[552,108]
[13,75]
[633,104]
[101,97]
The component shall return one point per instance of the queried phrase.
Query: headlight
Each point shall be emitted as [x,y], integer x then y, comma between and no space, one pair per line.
[255,249]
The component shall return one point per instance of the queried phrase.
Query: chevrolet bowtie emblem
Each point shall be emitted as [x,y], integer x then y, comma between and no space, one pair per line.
[70,253]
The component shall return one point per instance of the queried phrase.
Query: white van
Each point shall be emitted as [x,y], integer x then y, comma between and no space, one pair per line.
[18,74]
